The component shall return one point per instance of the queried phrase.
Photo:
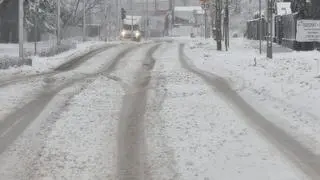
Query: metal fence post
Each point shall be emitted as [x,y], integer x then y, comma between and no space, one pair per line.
[269,43]
[21,28]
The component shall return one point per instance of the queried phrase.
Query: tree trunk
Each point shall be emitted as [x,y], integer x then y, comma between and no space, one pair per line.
[226,25]
[218,25]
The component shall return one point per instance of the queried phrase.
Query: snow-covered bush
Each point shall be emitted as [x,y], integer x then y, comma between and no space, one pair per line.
[57,50]
[7,62]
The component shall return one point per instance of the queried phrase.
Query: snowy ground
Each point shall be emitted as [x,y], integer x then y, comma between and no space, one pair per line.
[45,64]
[75,137]
[193,134]
[285,89]
[15,96]
[190,132]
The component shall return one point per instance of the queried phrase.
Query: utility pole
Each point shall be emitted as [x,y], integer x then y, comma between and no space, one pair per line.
[106,20]
[218,25]
[58,22]
[260,28]
[117,18]
[36,9]
[21,38]
[269,43]
[131,7]
[212,15]
[226,25]
[84,20]
[205,24]
[173,13]
[147,22]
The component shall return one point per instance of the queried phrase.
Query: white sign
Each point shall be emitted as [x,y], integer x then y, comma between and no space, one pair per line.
[283,8]
[308,31]
[205,6]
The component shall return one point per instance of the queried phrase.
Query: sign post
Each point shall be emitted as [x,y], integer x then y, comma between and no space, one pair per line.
[308,31]
[260,28]
[205,6]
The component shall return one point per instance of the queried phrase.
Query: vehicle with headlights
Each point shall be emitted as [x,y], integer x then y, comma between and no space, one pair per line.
[131,28]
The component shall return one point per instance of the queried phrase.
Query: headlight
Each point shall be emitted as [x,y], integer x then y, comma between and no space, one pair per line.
[138,34]
[123,33]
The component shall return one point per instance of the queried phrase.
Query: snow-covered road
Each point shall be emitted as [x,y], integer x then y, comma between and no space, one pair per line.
[133,112]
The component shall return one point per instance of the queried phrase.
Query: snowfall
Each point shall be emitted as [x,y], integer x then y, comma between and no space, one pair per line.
[190,131]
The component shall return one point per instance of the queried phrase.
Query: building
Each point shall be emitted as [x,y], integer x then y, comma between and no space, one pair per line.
[9,21]
[307,8]
[188,20]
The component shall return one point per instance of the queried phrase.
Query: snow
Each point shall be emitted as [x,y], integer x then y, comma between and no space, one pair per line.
[15,96]
[193,134]
[82,144]
[198,9]
[74,139]
[132,20]
[125,72]
[283,8]
[285,88]
[46,64]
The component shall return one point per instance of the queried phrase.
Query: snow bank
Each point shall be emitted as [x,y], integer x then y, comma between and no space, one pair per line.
[285,88]
[45,64]
[193,134]
[7,62]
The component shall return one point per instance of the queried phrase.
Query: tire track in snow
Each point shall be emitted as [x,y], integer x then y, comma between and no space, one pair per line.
[131,140]
[15,123]
[67,66]
[302,157]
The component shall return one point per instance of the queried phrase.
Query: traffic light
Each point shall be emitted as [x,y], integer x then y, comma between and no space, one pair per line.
[123,13]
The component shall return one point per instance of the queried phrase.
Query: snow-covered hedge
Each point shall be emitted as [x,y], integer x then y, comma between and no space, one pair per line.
[6,62]
[57,49]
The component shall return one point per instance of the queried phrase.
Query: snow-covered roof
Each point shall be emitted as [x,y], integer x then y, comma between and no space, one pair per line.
[283,8]
[132,19]
[198,9]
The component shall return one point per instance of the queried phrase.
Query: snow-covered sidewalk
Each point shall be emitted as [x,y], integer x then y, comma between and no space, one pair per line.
[46,64]
[192,134]
[285,88]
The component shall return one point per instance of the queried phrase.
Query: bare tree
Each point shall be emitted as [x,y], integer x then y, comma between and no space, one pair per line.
[72,11]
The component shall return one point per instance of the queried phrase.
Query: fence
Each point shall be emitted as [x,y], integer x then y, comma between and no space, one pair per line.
[285,28]
[253,29]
